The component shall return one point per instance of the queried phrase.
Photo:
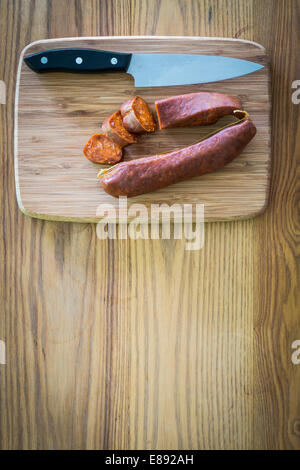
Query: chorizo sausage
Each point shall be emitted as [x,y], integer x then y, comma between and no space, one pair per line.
[151,173]
[194,109]
[137,116]
[101,149]
[113,127]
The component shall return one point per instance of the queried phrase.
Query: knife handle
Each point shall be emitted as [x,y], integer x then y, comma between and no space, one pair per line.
[78,60]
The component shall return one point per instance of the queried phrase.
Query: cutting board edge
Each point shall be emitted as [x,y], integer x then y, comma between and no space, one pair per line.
[56,218]
[193,38]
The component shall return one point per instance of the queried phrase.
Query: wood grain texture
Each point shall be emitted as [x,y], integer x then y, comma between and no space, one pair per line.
[141,344]
[277,237]
[55,114]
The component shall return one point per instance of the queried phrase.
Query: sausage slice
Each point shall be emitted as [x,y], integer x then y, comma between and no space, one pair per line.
[114,128]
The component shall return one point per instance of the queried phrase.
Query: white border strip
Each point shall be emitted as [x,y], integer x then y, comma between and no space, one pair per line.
[2,92]
[2,352]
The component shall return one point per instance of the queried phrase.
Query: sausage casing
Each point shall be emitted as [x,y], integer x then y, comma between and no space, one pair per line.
[194,109]
[148,174]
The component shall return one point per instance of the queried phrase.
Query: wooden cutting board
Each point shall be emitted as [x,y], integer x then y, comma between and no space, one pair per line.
[56,113]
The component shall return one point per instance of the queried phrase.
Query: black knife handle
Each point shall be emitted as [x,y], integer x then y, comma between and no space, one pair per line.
[78,60]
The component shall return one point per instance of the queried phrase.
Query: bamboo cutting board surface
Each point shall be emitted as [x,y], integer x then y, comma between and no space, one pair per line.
[56,113]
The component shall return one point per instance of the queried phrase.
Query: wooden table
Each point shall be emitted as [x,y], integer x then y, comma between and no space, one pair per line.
[142,344]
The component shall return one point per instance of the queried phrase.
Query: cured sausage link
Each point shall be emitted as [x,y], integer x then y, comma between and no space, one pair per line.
[194,109]
[151,173]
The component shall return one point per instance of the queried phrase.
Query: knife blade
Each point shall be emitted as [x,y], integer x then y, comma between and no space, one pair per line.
[148,70]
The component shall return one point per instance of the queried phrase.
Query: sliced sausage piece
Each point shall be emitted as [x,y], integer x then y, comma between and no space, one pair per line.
[101,149]
[137,116]
[150,173]
[114,128]
[194,109]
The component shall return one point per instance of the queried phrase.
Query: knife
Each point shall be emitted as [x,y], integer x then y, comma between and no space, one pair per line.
[148,70]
